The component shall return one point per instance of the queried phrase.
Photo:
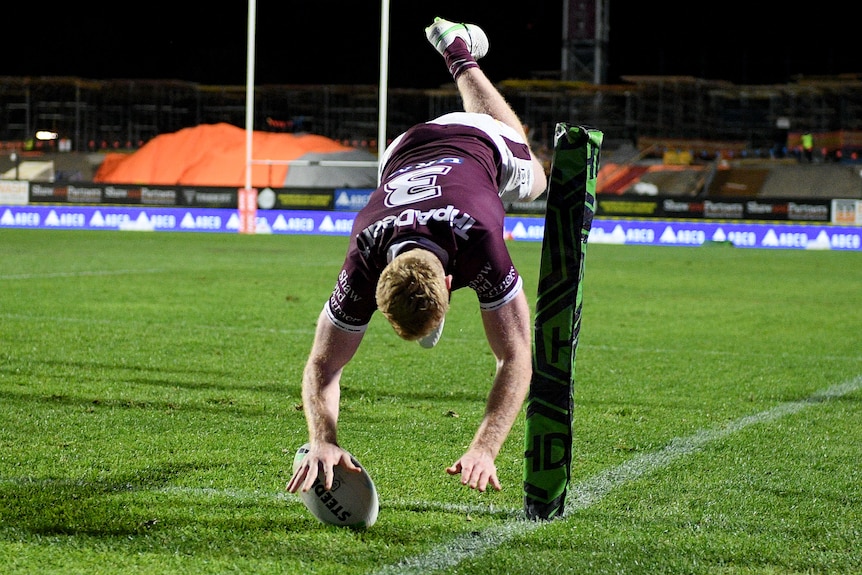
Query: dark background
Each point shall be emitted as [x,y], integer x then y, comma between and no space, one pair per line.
[338,42]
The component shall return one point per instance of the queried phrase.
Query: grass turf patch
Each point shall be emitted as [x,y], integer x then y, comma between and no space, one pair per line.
[151,406]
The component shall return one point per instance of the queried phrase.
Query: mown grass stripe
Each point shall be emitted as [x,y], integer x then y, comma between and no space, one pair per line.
[82,273]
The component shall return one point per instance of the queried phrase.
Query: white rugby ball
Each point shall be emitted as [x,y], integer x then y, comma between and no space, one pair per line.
[352,501]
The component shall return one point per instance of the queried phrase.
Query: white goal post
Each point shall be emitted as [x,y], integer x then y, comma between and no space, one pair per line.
[248,195]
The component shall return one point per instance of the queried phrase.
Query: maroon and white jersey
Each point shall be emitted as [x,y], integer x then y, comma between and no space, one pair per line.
[440,189]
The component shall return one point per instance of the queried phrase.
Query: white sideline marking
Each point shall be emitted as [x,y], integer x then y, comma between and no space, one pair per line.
[592,490]
[78,274]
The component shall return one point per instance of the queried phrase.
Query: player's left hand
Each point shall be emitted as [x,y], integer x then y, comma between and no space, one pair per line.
[477,471]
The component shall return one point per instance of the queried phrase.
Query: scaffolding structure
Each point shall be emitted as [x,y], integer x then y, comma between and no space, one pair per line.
[120,114]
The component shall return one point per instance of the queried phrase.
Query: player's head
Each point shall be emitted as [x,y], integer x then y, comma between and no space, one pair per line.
[413,293]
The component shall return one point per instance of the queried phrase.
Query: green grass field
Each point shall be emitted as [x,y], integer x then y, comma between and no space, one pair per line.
[150,408]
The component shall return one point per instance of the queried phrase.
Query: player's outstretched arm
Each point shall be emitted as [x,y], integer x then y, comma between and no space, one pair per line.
[508,332]
[321,393]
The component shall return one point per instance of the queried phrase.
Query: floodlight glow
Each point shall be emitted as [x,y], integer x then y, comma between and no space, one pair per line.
[46,135]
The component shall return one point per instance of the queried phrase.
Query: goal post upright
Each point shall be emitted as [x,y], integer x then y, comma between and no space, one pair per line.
[247,195]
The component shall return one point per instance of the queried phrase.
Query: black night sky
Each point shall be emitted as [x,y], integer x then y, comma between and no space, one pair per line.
[338,42]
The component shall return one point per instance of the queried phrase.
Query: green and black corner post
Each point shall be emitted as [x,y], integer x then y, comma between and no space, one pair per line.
[571,205]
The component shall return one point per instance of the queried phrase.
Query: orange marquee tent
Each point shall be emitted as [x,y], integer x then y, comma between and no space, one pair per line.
[214,155]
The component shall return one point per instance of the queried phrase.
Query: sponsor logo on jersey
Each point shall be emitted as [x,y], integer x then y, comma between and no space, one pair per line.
[373,234]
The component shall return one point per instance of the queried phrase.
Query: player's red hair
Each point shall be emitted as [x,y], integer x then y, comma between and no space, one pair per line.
[412,293]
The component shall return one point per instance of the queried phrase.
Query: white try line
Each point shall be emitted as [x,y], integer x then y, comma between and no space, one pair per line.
[592,490]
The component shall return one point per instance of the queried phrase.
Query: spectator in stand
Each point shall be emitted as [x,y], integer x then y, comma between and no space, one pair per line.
[808,147]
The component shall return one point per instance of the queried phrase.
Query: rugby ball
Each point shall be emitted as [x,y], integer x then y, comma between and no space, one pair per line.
[352,501]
